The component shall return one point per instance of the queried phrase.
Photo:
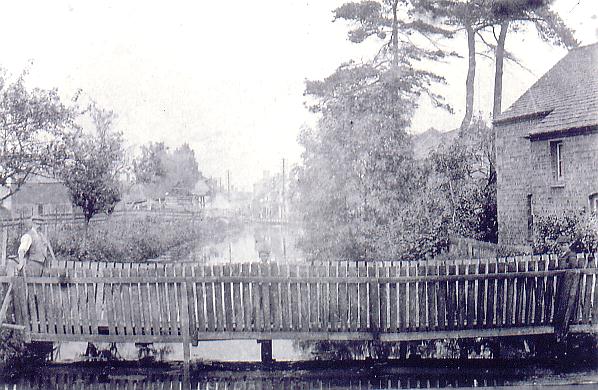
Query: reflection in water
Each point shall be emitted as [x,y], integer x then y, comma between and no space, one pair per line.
[254,241]
[61,377]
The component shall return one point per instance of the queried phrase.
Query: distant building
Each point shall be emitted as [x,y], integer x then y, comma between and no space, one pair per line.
[39,195]
[547,147]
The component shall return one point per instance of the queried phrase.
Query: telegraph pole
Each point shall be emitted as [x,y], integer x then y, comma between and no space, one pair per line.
[283,202]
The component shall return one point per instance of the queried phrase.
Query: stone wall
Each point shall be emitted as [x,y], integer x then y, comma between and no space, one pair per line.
[525,168]
[580,174]
[512,181]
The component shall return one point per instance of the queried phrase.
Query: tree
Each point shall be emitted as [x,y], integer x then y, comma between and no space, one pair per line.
[33,127]
[358,170]
[463,181]
[163,170]
[477,17]
[512,15]
[93,165]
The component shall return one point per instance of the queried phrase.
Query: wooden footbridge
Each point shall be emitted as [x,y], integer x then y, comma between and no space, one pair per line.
[385,301]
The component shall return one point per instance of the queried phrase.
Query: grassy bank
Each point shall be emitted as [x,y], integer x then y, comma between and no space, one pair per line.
[135,239]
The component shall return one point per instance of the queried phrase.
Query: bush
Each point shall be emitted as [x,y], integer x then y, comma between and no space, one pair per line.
[580,227]
[132,240]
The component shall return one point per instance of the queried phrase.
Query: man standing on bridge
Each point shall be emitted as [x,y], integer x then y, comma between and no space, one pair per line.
[567,289]
[33,248]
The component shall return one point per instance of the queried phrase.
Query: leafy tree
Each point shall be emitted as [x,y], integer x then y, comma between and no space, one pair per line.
[163,170]
[511,15]
[358,170]
[477,17]
[463,181]
[94,163]
[33,126]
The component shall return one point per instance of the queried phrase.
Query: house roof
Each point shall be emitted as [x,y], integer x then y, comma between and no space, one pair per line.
[565,98]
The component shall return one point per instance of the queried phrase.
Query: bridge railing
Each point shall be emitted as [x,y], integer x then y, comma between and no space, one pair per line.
[341,301]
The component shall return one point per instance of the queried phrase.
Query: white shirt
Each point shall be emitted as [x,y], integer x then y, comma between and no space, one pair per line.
[26,241]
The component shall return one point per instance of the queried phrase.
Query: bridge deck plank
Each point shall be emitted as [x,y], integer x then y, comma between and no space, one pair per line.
[198,298]
[461,297]
[472,295]
[209,295]
[256,296]
[344,300]
[42,305]
[550,291]
[314,301]
[539,318]
[155,303]
[363,298]
[274,293]
[164,324]
[422,322]
[442,291]
[530,292]
[237,300]
[431,289]
[411,298]
[172,303]
[587,292]
[353,294]
[229,308]
[451,299]
[264,270]
[218,299]
[134,290]
[333,317]
[482,289]
[294,298]
[109,303]
[374,298]
[304,297]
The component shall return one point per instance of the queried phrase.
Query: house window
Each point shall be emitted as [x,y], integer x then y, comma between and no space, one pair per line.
[530,218]
[556,154]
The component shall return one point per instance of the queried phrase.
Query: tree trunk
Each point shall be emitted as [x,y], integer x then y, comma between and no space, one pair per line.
[395,35]
[469,82]
[498,72]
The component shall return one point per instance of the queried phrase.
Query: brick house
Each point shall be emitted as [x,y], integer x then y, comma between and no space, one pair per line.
[547,147]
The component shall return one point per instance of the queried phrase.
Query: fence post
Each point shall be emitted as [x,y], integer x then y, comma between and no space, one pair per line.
[4,246]
[185,331]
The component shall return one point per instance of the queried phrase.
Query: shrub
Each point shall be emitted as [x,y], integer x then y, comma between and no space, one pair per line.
[580,227]
[133,240]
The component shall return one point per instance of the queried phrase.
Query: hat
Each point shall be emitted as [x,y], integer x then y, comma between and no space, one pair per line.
[37,219]
[562,239]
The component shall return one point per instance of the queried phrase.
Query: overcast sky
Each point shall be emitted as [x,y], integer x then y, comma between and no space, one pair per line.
[226,77]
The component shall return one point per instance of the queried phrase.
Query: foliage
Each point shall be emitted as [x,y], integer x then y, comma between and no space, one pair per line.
[12,347]
[94,161]
[34,124]
[580,227]
[464,179]
[131,239]
[358,172]
[163,170]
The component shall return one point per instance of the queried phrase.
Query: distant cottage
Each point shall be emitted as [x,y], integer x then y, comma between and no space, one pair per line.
[547,147]
[39,195]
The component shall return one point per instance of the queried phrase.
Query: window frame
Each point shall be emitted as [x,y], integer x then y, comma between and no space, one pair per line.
[557,161]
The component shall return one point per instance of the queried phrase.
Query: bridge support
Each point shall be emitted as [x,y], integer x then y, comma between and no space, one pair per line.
[266,349]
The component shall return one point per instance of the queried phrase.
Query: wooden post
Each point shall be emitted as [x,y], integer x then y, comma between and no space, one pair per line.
[3,246]
[266,351]
[185,332]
